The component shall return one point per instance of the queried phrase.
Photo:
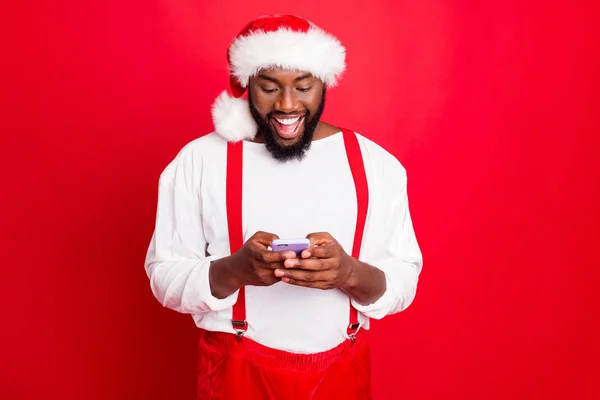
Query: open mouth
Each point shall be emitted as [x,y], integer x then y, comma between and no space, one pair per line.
[288,127]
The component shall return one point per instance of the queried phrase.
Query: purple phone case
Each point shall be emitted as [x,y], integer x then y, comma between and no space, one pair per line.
[296,245]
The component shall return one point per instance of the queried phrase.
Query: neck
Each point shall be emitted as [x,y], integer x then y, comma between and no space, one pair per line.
[324,130]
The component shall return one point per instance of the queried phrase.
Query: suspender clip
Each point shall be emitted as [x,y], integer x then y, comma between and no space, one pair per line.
[353,330]
[240,327]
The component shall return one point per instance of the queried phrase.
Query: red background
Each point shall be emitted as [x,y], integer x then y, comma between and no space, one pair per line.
[491,106]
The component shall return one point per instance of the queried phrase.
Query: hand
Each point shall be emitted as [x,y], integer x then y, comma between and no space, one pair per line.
[254,263]
[324,265]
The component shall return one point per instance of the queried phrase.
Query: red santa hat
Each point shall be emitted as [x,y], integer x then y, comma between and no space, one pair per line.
[283,41]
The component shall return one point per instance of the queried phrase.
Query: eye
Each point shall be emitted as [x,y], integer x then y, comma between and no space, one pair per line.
[304,90]
[268,90]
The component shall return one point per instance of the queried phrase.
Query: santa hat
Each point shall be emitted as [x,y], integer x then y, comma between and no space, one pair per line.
[284,41]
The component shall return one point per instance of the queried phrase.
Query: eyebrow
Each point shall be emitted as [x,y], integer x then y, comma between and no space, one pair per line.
[268,78]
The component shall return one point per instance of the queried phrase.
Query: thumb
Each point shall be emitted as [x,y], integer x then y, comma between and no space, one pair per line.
[319,238]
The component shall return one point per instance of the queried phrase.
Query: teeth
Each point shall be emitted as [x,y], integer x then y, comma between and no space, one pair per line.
[288,121]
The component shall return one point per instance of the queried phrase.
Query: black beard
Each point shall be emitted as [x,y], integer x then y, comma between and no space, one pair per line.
[295,151]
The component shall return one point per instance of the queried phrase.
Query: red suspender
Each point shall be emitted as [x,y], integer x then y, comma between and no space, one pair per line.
[235,157]
[234,216]
[357,167]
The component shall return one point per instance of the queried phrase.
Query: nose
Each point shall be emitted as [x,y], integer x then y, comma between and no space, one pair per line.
[286,102]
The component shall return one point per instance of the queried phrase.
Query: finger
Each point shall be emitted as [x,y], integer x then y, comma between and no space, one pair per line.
[301,275]
[267,278]
[264,238]
[320,238]
[309,264]
[323,285]
[268,256]
[316,280]
[325,251]
[273,266]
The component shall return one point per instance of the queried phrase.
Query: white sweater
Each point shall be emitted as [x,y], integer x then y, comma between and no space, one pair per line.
[291,200]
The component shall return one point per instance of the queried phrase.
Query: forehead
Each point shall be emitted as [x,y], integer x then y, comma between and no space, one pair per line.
[283,74]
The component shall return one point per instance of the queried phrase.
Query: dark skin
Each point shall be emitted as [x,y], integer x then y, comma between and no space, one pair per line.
[324,265]
[284,93]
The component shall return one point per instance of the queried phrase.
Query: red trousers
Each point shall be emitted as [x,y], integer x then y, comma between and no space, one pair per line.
[244,369]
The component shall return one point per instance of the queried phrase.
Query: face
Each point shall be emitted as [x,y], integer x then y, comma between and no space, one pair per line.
[286,106]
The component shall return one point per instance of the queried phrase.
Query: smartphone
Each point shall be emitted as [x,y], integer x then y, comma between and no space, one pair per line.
[296,245]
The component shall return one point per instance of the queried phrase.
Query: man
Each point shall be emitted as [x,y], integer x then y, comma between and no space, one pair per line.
[274,324]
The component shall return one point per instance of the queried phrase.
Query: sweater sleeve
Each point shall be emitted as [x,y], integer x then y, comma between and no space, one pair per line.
[389,241]
[176,261]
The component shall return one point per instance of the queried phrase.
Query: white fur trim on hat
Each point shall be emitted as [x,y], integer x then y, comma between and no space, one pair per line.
[232,118]
[314,51]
